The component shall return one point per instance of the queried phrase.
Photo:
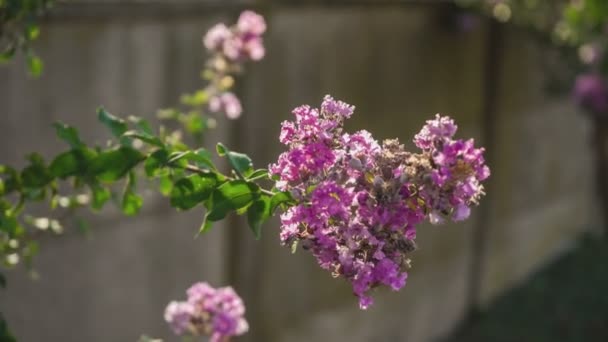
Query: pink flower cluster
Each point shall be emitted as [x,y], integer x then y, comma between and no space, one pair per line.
[359,201]
[591,93]
[231,47]
[208,311]
[240,42]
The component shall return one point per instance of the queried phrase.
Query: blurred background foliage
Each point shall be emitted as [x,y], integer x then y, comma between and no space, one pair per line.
[19,27]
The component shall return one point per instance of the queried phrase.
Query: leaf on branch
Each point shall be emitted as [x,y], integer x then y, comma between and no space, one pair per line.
[190,191]
[36,175]
[68,134]
[112,165]
[7,54]
[34,65]
[165,185]
[258,174]
[232,195]
[5,334]
[131,201]
[258,213]
[200,157]
[142,125]
[100,196]
[116,125]
[241,163]
[278,199]
[156,161]
[145,137]
[72,163]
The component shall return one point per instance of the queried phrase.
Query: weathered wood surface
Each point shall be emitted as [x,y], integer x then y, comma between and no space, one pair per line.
[397,65]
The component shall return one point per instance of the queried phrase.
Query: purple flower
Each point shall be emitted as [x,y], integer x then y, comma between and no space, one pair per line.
[227,103]
[217,312]
[591,93]
[240,42]
[331,107]
[358,210]
[179,315]
[216,36]
[461,212]
[251,23]
[435,131]
[359,202]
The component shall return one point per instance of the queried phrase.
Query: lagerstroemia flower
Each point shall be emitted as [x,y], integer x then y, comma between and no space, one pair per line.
[218,313]
[231,47]
[591,93]
[240,42]
[359,200]
[226,103]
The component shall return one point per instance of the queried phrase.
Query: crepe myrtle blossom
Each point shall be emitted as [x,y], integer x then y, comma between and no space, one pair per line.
[240,42]
[231,47]
[215,312]
[591,93]
[359,200]
[227,103]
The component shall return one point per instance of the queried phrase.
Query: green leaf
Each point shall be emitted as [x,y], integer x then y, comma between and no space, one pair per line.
[5,334]
[241,163]
[145,137]
[12,182]
[8,223]
[32,31]
[165,185]
[34,65]
[100,195]
[64,165]
[131,202]
[116,125]
[199,98]
[68,134]
[194,123]
[258,174]
[200,157]
[258,213]
[112,165]
[232,195]
[72,163]
[142,125]
[278,199]
[155,162]
[7,54]
[192,190]
[36,175]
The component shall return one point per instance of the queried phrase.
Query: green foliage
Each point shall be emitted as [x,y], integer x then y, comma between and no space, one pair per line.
[187,176]
[192,190]
[230,196]
[112,165]
[19,28]
[258,213]
[131,201]
[115,124]
[241,163]
[5,334]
